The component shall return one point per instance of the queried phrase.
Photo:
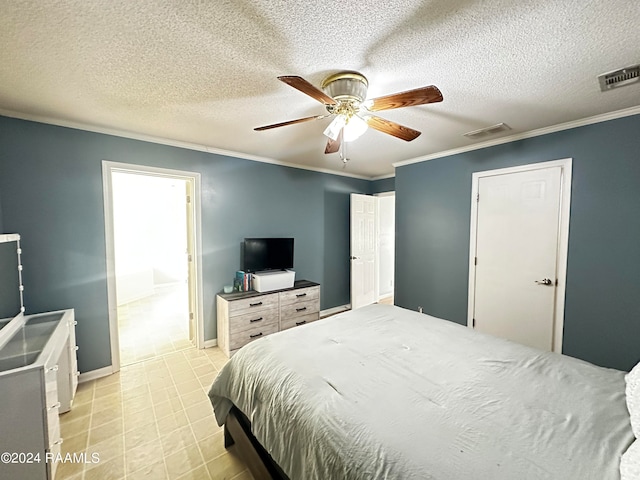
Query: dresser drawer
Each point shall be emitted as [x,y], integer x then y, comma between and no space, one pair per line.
[254,319]
[299,295]
[252,304]
[299,320]
[298,309]
[240,339]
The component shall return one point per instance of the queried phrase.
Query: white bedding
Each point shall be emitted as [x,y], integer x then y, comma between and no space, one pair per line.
[387,393]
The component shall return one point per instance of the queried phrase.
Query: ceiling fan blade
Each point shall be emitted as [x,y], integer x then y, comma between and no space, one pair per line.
[419,96]
[392,128]
[301,84]
[290,122]
[334,145]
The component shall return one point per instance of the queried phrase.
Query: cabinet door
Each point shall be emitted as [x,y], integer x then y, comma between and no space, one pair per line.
[23,430]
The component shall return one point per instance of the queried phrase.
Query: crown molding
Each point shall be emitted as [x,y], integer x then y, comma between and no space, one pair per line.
[169,142]
[255,158]
[627,112]
[382,177]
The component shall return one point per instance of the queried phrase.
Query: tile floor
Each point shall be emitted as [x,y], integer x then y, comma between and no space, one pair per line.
[151,420]
[387,300]
[138,322]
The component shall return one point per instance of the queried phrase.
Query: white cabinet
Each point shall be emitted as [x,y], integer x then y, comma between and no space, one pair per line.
[38,380]
[247,316]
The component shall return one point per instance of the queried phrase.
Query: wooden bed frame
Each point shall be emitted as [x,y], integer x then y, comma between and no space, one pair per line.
[237,431]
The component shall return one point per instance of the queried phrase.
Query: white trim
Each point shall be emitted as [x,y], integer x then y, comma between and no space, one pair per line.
[211,343]
[563,238]
[382,177]
[333,311]
[166,141]
[9,237]
[193,178]
[95,374]
[626,112]
[520,136]
[376,273]
[379,195]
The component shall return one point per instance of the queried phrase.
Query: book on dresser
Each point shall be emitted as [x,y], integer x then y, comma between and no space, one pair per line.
[247,316]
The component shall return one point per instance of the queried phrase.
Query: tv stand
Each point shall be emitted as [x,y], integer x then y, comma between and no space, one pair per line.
[247,316]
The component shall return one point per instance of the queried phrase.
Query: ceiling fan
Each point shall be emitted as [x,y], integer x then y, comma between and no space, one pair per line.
[344,96]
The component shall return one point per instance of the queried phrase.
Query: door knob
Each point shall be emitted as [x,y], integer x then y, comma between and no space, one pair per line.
[353,258]
[544,281]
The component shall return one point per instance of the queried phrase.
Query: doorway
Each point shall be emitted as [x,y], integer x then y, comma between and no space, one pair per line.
[152,224]
[518,253]
[372,255]
[386,246]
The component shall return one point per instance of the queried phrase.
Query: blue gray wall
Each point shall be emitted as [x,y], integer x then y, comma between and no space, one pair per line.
[383,185]
[51,193]
[602,310]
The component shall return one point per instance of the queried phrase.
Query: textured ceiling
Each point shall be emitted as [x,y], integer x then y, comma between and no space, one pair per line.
[204,72]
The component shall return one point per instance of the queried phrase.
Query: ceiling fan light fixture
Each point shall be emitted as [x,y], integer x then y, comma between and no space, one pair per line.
[354,128]
[344,96]
[333,130]
[348,86]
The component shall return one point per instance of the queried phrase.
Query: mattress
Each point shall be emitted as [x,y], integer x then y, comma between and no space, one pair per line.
[386,393]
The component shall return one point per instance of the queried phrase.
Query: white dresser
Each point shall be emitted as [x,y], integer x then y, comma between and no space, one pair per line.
[38,380]
[247,316]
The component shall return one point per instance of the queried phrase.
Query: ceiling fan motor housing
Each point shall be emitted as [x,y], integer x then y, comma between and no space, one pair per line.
[347,86]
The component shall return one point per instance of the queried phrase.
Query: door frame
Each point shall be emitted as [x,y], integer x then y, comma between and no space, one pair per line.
[193,180]
[379,195]
[565,165]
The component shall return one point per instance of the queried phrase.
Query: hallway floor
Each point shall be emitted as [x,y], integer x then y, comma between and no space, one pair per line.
[154,325]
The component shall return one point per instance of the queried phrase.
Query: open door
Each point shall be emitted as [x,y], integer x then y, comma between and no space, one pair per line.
[363,250]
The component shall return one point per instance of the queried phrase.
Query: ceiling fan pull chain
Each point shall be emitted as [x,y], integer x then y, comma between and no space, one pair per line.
[343,153]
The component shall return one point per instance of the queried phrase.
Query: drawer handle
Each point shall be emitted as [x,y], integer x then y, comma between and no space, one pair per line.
[57,442]
[301,323]
[253,320]
[301,309]
[255,304]
[75,322]
[301,295]
[55,405]
[76,348]
[53,369]
[77,374]
[256,335]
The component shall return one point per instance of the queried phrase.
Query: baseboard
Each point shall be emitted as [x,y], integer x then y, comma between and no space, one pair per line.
[332,311]
[211,343]
[95,374]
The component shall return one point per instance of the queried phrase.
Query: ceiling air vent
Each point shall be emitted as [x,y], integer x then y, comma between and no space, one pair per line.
[487,131]
[619,78]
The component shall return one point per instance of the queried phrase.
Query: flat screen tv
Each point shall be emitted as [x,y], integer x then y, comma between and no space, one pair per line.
[262,254]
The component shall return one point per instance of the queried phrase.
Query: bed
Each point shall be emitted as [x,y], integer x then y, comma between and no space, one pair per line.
[386,393]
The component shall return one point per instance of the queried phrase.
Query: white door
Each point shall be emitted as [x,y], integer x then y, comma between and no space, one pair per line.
[363,250]
[516,255]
